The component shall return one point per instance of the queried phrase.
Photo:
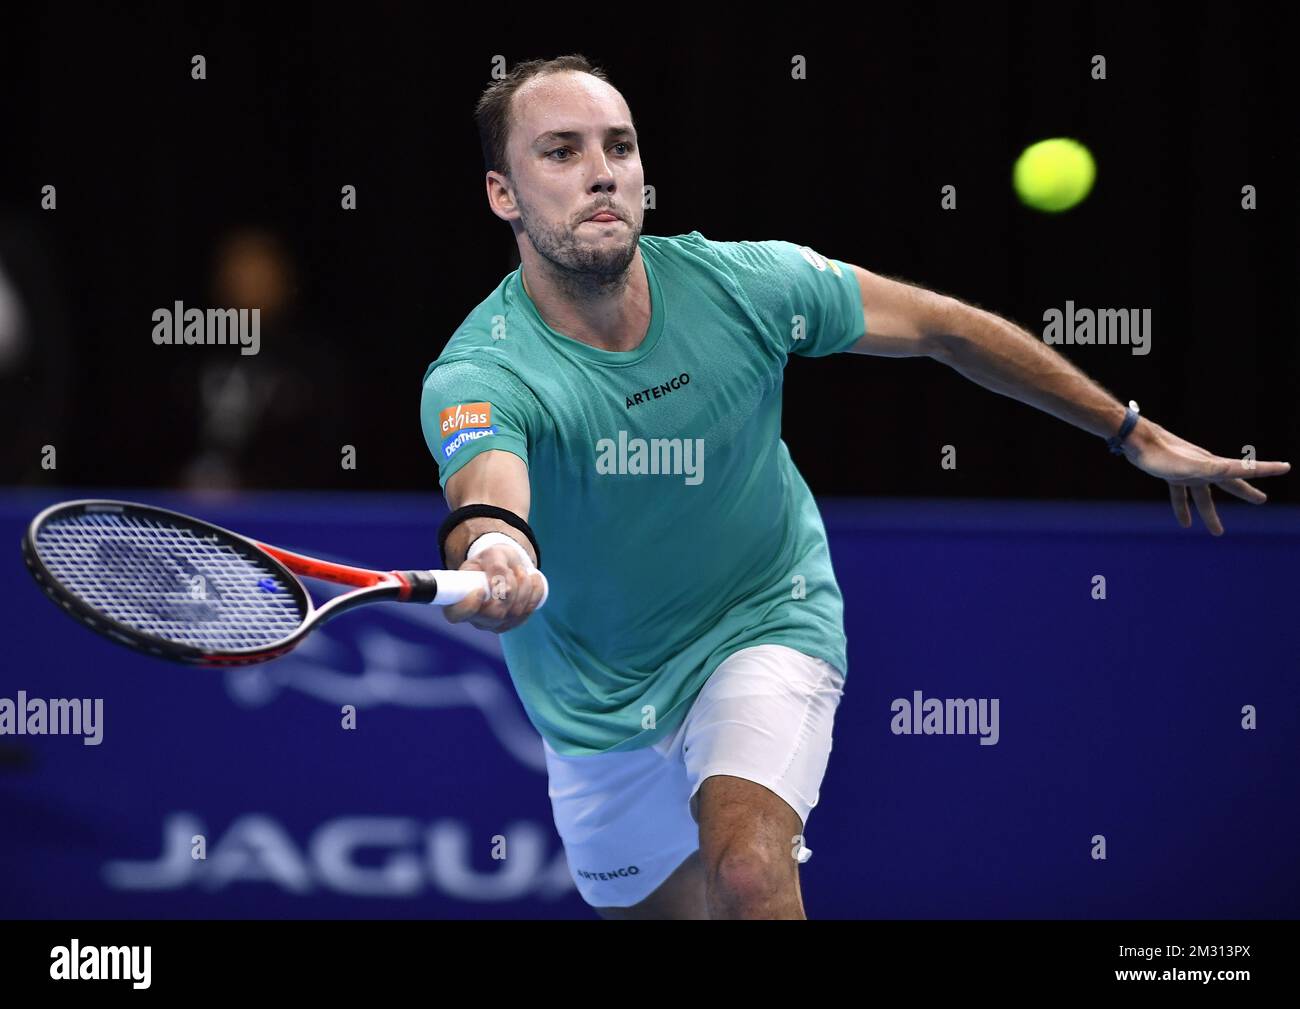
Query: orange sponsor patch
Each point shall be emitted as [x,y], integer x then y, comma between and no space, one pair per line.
[463,416]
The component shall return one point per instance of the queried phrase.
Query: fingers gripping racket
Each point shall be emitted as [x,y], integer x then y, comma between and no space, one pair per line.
[183,589]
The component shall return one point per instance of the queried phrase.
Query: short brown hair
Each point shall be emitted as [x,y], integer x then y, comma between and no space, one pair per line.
[493,110]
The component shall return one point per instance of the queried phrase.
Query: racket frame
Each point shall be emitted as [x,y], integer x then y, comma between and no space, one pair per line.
[369,586]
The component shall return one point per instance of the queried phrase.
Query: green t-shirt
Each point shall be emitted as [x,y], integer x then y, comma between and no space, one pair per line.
[674,528]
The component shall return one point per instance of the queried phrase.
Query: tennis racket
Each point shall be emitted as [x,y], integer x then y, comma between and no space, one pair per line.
[183,589]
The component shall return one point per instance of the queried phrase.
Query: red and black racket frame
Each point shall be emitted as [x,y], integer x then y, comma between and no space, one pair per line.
[369,586]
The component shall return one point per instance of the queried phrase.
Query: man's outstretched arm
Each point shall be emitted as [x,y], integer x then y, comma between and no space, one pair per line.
[907,321]
[501,479]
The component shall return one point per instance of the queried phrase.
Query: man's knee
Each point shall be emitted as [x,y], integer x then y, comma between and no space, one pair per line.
[749,873]
[746,840]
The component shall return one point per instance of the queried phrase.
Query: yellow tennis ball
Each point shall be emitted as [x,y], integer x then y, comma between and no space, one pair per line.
[1054,175]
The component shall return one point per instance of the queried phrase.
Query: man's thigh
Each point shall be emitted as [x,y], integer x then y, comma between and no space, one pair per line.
[756,744]
[765,716]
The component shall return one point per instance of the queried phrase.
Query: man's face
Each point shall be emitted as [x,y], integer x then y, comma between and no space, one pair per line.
[573,152]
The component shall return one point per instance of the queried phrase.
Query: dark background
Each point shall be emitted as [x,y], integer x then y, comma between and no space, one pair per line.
[153,168]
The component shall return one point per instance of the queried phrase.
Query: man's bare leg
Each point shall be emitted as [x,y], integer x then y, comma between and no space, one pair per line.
[747,843]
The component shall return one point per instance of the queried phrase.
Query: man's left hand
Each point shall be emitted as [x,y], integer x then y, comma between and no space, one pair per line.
[1187,467]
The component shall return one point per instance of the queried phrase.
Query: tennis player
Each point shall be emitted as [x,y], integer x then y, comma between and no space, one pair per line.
[612,413]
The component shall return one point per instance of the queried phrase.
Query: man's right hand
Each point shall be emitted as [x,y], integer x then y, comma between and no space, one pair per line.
[497,478]
[515,592]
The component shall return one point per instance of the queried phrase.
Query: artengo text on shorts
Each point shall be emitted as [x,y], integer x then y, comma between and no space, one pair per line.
[629,870]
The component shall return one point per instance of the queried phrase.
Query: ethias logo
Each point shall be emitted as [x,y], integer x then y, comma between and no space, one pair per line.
[463,423]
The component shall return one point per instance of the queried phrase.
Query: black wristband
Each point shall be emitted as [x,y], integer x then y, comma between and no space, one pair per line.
[1116,443]
[483,511]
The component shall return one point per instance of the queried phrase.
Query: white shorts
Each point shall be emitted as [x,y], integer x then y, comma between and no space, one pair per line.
[625,819]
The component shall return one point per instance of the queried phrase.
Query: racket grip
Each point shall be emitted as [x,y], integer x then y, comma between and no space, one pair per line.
[453,586]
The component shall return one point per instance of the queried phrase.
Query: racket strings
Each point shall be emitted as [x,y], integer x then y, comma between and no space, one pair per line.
[170,581]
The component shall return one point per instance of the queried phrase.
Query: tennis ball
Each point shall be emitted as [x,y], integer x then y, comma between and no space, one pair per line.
[1054,175]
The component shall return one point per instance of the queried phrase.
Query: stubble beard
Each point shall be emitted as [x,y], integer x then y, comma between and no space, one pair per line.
[582,270]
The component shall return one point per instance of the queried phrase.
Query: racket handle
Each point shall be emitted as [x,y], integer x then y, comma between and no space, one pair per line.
[453,586]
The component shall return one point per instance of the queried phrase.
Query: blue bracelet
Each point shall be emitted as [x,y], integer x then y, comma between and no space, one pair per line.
[1130,422]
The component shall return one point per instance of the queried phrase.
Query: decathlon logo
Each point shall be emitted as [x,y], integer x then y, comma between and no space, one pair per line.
[463,423]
